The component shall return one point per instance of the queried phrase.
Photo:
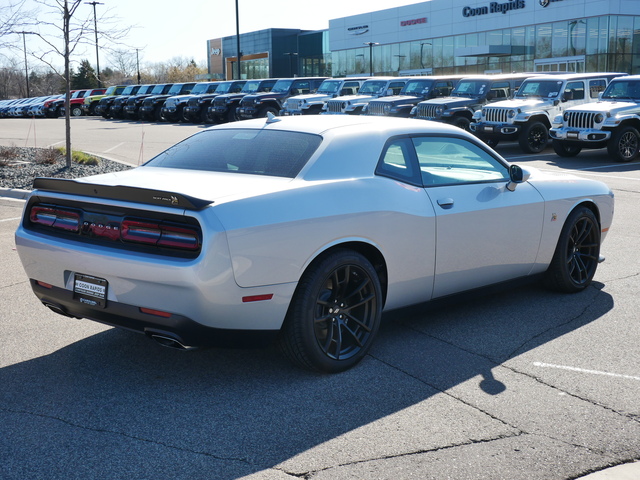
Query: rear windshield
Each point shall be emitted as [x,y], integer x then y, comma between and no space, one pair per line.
[259,152]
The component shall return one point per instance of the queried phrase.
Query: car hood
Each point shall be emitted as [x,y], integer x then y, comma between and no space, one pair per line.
[526,104]
[453,101]
[216,187]
[356,98]
[606,107]
[396,99]
[312,96]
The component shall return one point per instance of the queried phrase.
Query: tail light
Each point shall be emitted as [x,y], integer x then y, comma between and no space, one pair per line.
[58,218]
[165,234]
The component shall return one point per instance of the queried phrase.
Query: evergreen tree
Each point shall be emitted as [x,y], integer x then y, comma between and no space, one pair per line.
[85,78]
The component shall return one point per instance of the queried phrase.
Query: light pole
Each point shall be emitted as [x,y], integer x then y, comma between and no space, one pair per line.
[371,44]
[291,55]
[237,40]
[95,28]
[26,66]
[138,64]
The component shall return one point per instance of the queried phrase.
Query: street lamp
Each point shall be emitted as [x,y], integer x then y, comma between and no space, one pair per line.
[26,66]
[291,55]
[138,64]
[237,41]
[371,44]
[95,28]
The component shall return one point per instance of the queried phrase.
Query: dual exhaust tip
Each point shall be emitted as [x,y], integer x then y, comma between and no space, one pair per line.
[165,339]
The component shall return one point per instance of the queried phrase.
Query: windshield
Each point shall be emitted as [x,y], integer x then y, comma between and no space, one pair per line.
[158,89]
[250,151]
[282,86]
[175,89]
[416,87]
[224,87]
[129,90]
[330,86]
[539,89]
[200,88]
[372,87]
[471,88]
[251,86]
[622,89]
[110,91]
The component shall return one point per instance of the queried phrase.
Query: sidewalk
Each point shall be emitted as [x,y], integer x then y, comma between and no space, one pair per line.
[627,471]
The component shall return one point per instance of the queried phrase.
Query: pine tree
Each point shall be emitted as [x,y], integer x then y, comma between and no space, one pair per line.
[85,78]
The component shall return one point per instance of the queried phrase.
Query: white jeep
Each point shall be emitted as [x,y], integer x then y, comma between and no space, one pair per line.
[612,122]
[312,103]
[373,88]
[528,115]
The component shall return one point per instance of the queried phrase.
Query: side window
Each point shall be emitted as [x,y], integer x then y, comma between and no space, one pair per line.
[302,87]
[396,87]
[350,88]
[596,86]
[398,161]
[451,161]
[500,90]
[576,90]
[443,88]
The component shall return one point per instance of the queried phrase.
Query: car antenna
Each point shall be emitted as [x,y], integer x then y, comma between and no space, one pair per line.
[271,118]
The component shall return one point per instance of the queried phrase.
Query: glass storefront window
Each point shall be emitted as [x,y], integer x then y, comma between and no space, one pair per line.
[543,41]
[559,42]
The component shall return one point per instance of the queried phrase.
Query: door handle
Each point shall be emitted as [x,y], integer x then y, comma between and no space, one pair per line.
[445,202]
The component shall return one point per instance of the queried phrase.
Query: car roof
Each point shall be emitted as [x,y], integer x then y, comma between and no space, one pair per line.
[321,124]
[577,76]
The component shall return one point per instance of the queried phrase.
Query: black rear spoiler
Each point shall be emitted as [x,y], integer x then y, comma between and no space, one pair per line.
[118,192]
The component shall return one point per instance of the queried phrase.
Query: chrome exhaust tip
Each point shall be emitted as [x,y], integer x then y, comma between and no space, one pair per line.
[171,342]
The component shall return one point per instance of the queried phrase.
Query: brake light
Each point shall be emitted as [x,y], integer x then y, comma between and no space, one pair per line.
[160,235]
[55,217]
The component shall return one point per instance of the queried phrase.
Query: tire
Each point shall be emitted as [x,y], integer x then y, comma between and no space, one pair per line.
[565,149]
[624,144]
[334,315]
[76,111]
[157,113]
[265,110]
[462,122]
[492,142]
[534,137]
[576,257]
[231,115]
[92,109]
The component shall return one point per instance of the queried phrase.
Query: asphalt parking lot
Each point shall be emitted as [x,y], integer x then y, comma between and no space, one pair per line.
[517,384]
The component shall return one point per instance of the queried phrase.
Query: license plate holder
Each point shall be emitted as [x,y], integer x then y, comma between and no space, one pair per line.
[488,129]
[90,290]
[572,134]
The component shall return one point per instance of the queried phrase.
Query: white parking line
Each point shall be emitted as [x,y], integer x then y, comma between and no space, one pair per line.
[582,370]
[9,219]
[113,148]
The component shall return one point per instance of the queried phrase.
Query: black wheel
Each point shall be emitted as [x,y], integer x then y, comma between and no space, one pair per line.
[76,111]
[157,113]
[534,137]
[462,122]
[565,149]
[624,144]
[575,260]
[204,116]
[265,110]
[92,109]
[334,314]
[492,142]
[231,115]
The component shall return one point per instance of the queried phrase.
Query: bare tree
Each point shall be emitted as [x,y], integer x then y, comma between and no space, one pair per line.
[13,18]
[71,31]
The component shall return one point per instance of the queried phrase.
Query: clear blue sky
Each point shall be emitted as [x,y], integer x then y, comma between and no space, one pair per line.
[181,28]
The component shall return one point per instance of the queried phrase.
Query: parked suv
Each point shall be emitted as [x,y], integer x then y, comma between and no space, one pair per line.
[260,104]
[53,106]
[91,102]
[197,109]
[76,103]
[173,108]
[312,103]
[151,108]
[371,89]
[470,94]
[116,110]
[223,107]
[612,122]
[415,90]
[104,105]
[132,109]
[527,117]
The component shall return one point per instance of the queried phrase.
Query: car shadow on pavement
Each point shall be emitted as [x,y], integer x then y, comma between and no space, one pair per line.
[118,404]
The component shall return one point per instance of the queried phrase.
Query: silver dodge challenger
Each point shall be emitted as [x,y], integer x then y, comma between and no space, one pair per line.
[302,231]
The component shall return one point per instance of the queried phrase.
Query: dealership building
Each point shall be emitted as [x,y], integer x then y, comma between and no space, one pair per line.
[440,37]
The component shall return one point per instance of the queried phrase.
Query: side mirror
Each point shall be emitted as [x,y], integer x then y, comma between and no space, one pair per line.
[566,96]
[517,175]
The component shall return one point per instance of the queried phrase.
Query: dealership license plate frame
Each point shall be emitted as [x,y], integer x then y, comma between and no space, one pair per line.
[90,290]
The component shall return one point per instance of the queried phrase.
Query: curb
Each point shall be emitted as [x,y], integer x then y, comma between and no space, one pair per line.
[14,193]
[626,471]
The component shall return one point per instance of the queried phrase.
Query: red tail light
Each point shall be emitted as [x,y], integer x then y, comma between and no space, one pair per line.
[160,235]
[55,217]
